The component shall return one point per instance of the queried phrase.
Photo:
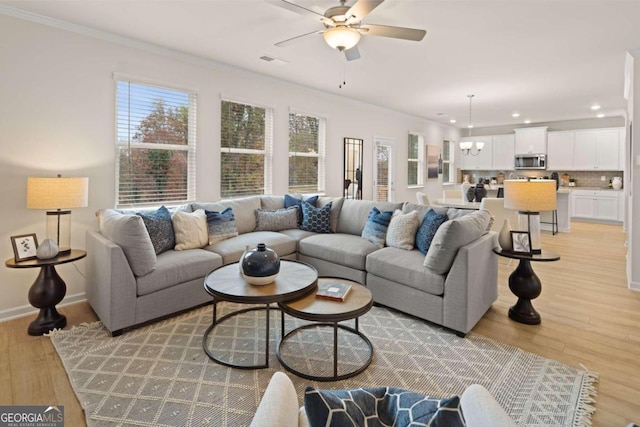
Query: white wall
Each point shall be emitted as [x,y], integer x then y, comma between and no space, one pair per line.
[633,177]
[57,116]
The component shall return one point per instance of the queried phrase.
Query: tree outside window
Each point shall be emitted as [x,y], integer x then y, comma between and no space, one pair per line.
[306,153]
[415,162]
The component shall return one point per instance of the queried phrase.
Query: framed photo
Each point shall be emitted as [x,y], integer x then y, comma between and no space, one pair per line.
[521,241]
[433,153]
[24,246]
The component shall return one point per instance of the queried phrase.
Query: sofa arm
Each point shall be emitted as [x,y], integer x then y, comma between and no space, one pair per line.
[480,409]
[111,285]
[471,285]
[279,404]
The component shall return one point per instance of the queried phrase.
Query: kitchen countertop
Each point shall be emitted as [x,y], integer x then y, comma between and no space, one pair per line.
[588,188]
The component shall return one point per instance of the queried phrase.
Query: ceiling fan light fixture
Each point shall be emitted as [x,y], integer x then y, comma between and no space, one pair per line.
[341,37]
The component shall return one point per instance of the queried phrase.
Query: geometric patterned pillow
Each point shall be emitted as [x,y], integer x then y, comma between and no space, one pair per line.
[290,201]
[316,219]
[375,229]
[380,406]
[428,229]
[221,225]
[160,229]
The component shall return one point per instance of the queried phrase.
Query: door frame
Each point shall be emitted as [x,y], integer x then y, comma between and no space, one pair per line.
[391,143]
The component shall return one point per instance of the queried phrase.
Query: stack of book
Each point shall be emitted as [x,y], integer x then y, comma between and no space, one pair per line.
[334,291]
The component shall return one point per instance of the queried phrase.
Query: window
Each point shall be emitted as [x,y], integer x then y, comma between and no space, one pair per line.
[414,160]
[155,143]
[306,153]
[448,171]
[246,135]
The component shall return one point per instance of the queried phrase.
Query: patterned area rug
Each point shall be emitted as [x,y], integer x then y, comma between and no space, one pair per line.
[159,375]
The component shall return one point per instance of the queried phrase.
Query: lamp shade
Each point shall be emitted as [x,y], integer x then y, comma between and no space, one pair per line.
[530,196]
[341,37]
[57,193]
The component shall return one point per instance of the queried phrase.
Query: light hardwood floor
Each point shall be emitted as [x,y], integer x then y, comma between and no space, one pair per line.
[589,318]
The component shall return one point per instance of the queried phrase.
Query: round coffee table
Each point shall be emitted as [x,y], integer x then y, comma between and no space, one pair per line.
[295,280]
[327,313]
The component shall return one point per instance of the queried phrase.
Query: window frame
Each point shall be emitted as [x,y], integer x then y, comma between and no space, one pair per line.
[451,179]
[419,160]
[320,155]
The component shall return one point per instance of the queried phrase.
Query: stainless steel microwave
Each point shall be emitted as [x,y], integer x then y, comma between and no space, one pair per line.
[531,161]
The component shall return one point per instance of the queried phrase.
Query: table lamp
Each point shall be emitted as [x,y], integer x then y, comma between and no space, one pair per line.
[58,193]
[529,198]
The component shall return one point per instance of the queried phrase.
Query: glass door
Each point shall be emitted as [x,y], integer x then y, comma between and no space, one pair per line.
[383,186]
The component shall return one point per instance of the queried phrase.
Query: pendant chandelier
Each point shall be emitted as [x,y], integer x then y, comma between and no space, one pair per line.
[467,146]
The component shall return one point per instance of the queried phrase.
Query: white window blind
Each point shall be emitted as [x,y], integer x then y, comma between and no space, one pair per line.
[448,171]
[415,162]
[306,153]
[247,153]
[155,145]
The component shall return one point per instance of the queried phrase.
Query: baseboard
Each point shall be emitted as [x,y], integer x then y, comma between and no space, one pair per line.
[26,310]
[634,286]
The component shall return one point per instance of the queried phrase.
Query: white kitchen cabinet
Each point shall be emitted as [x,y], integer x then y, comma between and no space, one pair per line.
[560,150]
[531,140]
[484,159]
[597,149]
[503,152]
[596,204]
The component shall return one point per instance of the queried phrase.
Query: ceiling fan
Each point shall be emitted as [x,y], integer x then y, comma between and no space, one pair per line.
[343,26]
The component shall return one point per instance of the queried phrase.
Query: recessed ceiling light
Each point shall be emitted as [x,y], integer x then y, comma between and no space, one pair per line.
[470,126]
[526,122]
[515,115]
[601,115]
[595,107]
[452,121]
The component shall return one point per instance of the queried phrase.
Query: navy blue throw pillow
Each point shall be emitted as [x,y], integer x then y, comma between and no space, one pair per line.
[290,201]
[428,229]
[160,229]
[316,219]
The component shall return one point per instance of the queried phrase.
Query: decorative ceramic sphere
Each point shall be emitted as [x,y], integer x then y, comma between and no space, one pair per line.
[47,249]
[261,265]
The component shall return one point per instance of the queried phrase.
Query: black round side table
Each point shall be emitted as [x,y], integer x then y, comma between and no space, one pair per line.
[47,290]
[525,284]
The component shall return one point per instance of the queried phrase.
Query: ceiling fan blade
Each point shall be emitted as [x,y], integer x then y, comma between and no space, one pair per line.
[352,54]
[292,40]
[361,9]
[395,32]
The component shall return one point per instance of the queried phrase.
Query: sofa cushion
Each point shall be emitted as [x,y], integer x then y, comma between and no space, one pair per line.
[375,229]
[336,206]
[281,219]
[175,267]
[272,203]
[243,209]
[315,219]
[221,225]
[405,267]
[160,229]
[191,230]
[354,214]
[298,234]
[231,249]
[291,201]
[451,236]
[380,406]
[402,230]
[342,249]
[430,224]
[128,231]
[423,209]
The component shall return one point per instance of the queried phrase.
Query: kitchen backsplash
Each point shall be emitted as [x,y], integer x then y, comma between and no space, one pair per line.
[582,178]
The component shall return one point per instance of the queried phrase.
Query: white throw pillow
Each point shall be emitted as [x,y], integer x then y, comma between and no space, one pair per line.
[190,229]
[402,230]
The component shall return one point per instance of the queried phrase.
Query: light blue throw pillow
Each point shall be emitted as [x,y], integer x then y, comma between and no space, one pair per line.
[221,225]
[316,219]
[375,229]
[430,224]
[160,229]
[380,406]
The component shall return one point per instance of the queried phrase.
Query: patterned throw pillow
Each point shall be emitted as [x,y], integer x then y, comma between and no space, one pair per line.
[375,229]
[402,230]
[428,229]
[290,201]
[160,229]
[221,225]
[387,406]
[281,219]
[316,219]
[191,229]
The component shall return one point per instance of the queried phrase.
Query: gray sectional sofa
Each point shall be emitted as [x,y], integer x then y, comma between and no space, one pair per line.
[127,284]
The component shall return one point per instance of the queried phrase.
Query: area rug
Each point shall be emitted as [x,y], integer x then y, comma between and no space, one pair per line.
[159,375]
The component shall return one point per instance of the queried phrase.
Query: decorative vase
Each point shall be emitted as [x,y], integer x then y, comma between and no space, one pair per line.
[480,192]
[465,186]
[247,248]
[471,194]
[616,182]
[47,249]
[261,265]
[504,237]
